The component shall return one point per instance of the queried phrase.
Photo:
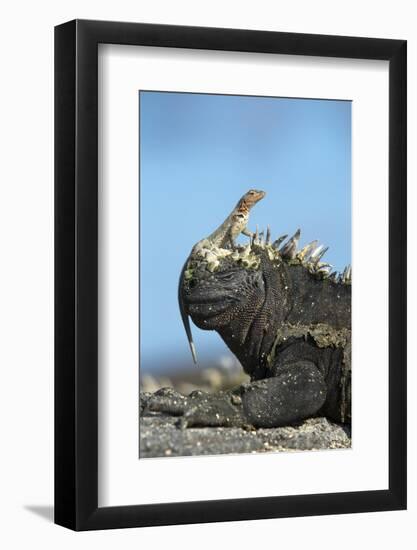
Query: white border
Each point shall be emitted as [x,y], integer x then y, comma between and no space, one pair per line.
[123,479]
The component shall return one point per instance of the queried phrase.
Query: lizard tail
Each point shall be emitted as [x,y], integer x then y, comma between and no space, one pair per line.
[184,316]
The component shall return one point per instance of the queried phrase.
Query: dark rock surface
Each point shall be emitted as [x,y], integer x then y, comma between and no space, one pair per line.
[160,436]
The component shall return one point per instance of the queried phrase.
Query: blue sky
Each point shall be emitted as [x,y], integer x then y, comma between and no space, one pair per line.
[198,154]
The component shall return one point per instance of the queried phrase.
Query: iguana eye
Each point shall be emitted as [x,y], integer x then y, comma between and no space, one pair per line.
[226,277]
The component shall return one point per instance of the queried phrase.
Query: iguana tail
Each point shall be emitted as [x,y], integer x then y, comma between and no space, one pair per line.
[184,316]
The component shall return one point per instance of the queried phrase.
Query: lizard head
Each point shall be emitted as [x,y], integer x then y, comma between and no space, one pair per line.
[249,199]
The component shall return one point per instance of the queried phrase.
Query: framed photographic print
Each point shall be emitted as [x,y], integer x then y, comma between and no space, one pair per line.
[230,274]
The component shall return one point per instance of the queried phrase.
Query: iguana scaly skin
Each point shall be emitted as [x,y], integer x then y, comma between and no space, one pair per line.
[287,318]
[223,237]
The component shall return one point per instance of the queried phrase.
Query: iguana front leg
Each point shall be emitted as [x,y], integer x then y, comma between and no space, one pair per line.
[295,390]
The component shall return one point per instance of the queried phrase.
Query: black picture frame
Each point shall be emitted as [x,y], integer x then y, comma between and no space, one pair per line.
[76,272]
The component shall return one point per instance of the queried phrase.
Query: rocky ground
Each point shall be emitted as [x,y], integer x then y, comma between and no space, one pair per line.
[160,436]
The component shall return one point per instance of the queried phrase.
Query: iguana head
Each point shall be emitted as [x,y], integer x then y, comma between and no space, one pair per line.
[213,298]
[229,291]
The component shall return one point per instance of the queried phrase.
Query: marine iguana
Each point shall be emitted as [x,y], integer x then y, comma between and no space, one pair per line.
[222,237]
[287,318]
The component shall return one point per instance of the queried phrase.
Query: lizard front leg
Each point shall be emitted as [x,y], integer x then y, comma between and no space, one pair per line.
[248,233]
